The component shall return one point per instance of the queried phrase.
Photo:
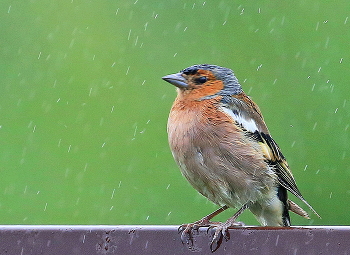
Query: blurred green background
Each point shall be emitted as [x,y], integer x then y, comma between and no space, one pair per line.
[83,109]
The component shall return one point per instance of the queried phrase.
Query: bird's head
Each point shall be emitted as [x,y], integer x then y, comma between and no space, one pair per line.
[200,81]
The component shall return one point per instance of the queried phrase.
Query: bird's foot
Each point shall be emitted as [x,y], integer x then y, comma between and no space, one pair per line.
[221,231]
[186,230]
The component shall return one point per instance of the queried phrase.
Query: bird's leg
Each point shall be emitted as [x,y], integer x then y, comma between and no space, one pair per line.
[185,229]
[221,228]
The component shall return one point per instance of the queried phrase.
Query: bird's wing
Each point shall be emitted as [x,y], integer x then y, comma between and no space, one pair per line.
[248,116]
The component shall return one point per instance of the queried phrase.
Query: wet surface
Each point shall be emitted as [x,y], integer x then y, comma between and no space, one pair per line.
[166,240]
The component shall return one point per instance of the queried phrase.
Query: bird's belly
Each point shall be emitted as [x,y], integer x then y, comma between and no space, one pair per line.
[224,184]
[218,160]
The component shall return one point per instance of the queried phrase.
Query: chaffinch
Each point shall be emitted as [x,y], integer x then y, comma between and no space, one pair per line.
[221,143]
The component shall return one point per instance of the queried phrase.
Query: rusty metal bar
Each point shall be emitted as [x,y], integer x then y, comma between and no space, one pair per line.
[62,239]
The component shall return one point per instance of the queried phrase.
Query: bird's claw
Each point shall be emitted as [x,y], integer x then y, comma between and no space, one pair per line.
[222,232]
[186,230]
[186,234]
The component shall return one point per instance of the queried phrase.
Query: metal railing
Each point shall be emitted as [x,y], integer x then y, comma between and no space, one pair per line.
[130,239]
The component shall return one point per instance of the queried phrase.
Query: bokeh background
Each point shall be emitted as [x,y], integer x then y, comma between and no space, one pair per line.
[83,109]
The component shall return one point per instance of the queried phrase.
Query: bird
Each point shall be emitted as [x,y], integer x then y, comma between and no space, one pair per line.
[219,140]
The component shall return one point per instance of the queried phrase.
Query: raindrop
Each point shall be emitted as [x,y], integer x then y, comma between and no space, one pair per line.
[111,208]
[116,12]
[9,9]
[224,23]
[313,87]
[314,127]
[134,132]
[143,82]
[168,186]
[259,67]
[169,213]
[327,41]
[127,70]
[120,183]
[293,143]
[341,60]
[318,23]
[276,243]
[69,147]
[175,55]
[193,5]
[330,195]
[39,55]
[129,34]
[113,194]
[242,11]
[71,43]
[113,64]
[318,170]
[112,109]
[147,217]
[66,173]
[336,110]
[45,207]
[146,25]
[250,90]
[305,167]
[346,19]
[319,69]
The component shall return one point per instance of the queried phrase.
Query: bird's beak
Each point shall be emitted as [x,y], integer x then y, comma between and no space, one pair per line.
[176,79]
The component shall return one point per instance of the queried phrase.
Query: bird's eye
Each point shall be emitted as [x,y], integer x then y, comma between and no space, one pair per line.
[201,79]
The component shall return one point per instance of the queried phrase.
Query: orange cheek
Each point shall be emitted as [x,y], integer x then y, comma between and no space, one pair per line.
[204,90]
